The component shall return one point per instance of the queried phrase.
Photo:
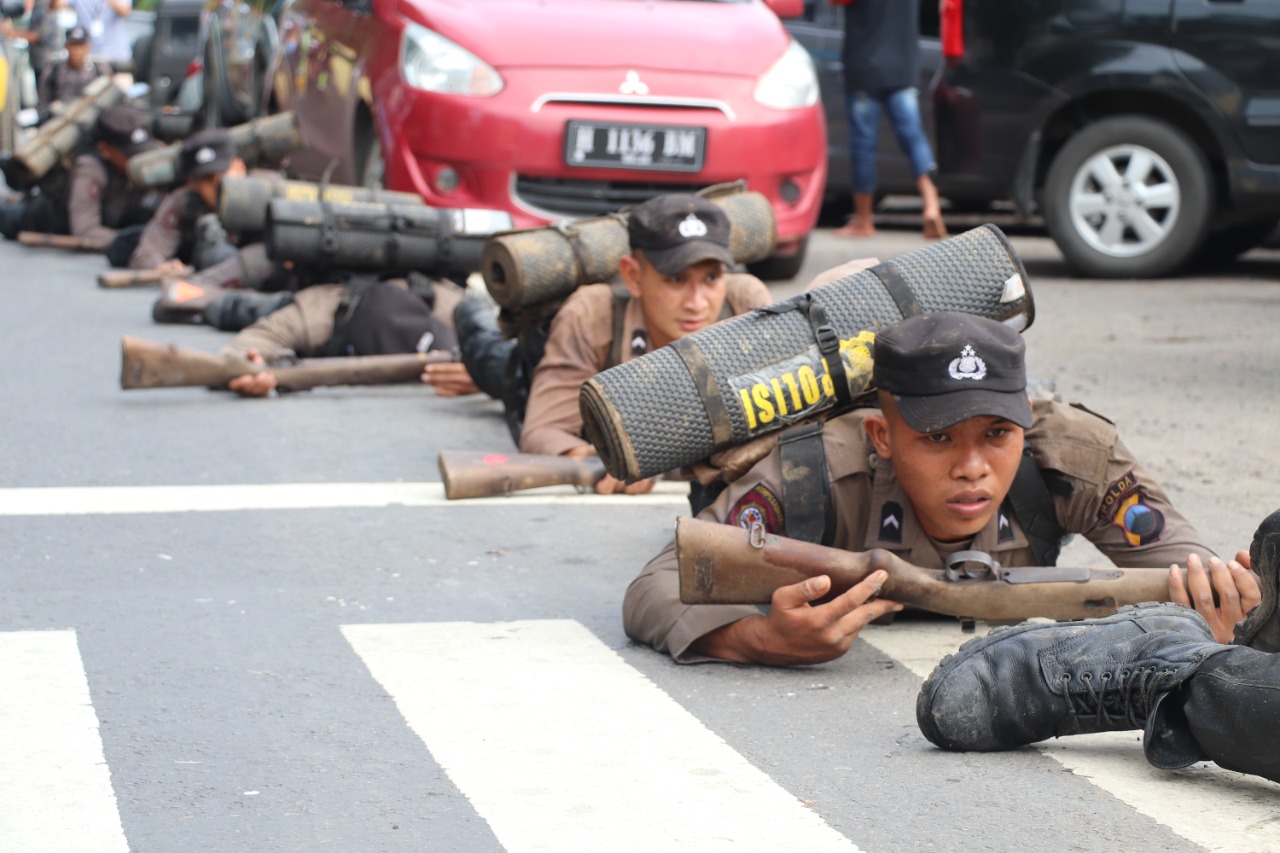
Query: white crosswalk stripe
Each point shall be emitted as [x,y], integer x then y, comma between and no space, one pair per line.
[118,500]
[559,743]
[1212,807]
[55,789]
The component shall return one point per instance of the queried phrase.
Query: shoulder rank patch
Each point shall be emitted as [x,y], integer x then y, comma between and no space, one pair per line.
[639,342]
[1142,524]
[890,522]
[1116,494]
[758,505]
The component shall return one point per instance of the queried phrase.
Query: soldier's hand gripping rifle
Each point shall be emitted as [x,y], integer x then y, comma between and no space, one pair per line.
[725,564]
[475,474]
[148,364]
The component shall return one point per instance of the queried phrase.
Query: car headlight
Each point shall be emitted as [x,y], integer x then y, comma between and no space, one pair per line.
[791,83]
[431,62]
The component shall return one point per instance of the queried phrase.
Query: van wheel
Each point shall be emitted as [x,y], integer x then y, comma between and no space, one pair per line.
[1128,197]
[780,267]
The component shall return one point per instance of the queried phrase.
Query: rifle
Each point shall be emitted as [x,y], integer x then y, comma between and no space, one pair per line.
[138,278]
[151,365]
[723,564]
[60,241]
[472,474]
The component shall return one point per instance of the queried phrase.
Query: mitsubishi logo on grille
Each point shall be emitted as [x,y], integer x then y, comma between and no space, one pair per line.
[633,85]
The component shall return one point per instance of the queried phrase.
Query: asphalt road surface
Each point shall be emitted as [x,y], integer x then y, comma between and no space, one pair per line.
[256,625]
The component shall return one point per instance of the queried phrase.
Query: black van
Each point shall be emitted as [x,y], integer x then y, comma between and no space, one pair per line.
[1144,131]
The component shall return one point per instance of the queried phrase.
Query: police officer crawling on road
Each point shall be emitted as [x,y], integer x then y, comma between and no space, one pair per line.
[170,241]
[955,459]
[96,201]
[674,282]
[362,317]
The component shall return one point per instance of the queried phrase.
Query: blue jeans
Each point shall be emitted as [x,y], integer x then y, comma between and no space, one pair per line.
[864,127]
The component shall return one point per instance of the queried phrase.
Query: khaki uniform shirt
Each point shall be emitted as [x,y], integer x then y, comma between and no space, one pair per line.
[872,511]
[578,348]
[100,199]
[303,328]
[163,236]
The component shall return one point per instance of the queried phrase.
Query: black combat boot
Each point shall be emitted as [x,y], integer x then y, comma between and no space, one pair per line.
[1261,628]
[1031,682]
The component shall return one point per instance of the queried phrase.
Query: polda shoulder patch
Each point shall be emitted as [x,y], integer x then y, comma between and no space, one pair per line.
[760,505]
[1142,524]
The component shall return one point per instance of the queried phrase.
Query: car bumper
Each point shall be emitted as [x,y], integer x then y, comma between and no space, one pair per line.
[507,152]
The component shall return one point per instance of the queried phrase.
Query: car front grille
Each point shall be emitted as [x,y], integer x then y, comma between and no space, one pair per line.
[561,198]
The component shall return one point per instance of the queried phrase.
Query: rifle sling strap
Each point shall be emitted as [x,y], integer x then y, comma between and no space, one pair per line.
[806,484]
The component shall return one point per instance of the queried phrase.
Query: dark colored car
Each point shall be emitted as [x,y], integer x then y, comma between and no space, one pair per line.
[237,41]
[163,56]
[1146,132]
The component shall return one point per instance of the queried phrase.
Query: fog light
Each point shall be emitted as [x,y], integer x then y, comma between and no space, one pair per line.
[446,180]
[790,192]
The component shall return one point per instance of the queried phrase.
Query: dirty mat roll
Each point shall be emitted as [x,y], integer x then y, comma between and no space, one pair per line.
[543,264]
[242,202]
[759,372]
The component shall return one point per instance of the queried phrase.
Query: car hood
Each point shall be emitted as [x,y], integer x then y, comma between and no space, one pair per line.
[697,36]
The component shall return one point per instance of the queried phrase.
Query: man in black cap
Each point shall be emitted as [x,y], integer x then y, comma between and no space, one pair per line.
[169,242]
[1159,669]
[63,82]
[954,459]
[103,204]
[674,282]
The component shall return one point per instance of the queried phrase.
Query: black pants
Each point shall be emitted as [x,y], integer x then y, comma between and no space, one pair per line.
[1231,706]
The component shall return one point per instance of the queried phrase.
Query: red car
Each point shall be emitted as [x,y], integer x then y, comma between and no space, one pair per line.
[558,109]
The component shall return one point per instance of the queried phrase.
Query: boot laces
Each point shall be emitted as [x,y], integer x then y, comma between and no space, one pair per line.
[1123,697]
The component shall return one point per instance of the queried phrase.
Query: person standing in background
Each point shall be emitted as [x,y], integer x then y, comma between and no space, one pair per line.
[881,65]
[104,19]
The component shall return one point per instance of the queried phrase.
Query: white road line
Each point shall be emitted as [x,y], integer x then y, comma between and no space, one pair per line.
[55,789]
[1209,806]
[114,500]
[560,745]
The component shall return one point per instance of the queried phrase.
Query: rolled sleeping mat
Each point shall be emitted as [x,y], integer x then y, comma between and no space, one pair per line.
[263,140]
[538,265]
[242,202]
[63,137]
[380,237]
[759,372]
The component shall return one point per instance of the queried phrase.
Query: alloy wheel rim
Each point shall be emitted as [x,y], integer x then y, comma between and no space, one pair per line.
[1124,200]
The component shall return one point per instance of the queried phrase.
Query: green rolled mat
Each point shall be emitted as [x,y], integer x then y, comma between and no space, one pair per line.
[533,266]
[759,372]
[263,140]
[242,202]
[63,137]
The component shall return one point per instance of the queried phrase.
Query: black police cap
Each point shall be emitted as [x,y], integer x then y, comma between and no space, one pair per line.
[208,152]
[948,367]
[677,230]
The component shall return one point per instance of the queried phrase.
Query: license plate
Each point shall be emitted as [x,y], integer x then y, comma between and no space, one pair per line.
[634,146]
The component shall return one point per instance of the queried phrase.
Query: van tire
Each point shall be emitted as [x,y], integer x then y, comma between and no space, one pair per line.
[1150,216]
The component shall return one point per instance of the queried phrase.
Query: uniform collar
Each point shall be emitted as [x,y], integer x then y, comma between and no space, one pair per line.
[890,512]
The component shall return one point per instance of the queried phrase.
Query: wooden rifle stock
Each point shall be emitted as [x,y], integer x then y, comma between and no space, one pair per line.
[151,365]
[724,564]
[471,474]
[60,241]
[139,278]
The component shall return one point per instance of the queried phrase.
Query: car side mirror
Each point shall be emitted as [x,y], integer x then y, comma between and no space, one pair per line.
[786,8]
